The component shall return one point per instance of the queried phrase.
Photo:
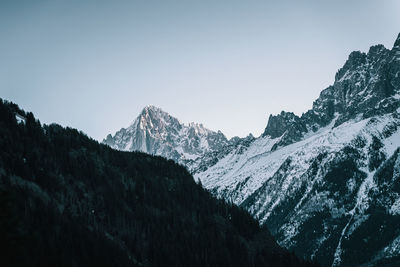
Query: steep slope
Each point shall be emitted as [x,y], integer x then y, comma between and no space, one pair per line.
[156,132]
[66,200]
[326,181]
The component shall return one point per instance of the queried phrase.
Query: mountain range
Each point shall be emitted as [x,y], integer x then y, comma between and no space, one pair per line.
[326,183]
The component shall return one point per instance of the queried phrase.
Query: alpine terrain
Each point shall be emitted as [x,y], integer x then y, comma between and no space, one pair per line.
[327,183]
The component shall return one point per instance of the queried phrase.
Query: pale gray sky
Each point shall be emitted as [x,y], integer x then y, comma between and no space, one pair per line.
[94,65]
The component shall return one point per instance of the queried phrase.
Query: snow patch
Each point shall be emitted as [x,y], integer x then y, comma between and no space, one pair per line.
[395,208]
[19,118]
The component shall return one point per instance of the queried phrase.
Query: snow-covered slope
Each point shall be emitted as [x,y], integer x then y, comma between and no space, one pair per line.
[156,132]
[326,183]
[313,192]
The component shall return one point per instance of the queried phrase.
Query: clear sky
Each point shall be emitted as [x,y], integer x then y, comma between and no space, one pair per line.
[94,65]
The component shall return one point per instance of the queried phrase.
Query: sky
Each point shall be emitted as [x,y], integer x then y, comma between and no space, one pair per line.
[94,65]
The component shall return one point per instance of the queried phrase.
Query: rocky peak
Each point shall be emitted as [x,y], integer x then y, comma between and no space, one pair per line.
[155,118]
[368,84]
[236,139]
[156,132]
[397,42]
[279,124]
[396,49]
[154,112]
[151,110]
[376,49]
[356,58]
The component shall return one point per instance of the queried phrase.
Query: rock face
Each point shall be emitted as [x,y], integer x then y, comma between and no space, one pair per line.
[156,132]
[326,182]
[365,86]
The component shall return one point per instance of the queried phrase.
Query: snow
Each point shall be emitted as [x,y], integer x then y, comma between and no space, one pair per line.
[392,142]
[185,155]
[394,248]
[237,176]
[258,164]
[395,208]
[20,119]
[360,206]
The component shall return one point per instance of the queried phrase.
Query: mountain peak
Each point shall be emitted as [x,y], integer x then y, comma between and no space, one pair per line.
[156,132]
[152,116]
[278,124]
[397,42]
[151,109]
[375,49]
[355,59]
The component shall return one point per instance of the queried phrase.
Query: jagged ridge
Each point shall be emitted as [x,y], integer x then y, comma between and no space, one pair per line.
[367,85]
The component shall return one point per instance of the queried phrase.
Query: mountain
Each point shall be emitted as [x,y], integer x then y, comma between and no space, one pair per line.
[156,132]
[326,182]
[66,200]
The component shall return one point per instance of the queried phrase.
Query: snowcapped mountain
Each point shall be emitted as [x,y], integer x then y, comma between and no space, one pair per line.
[156,132]
[327,183]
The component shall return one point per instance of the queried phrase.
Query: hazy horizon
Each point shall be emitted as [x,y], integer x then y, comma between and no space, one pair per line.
[226,64]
